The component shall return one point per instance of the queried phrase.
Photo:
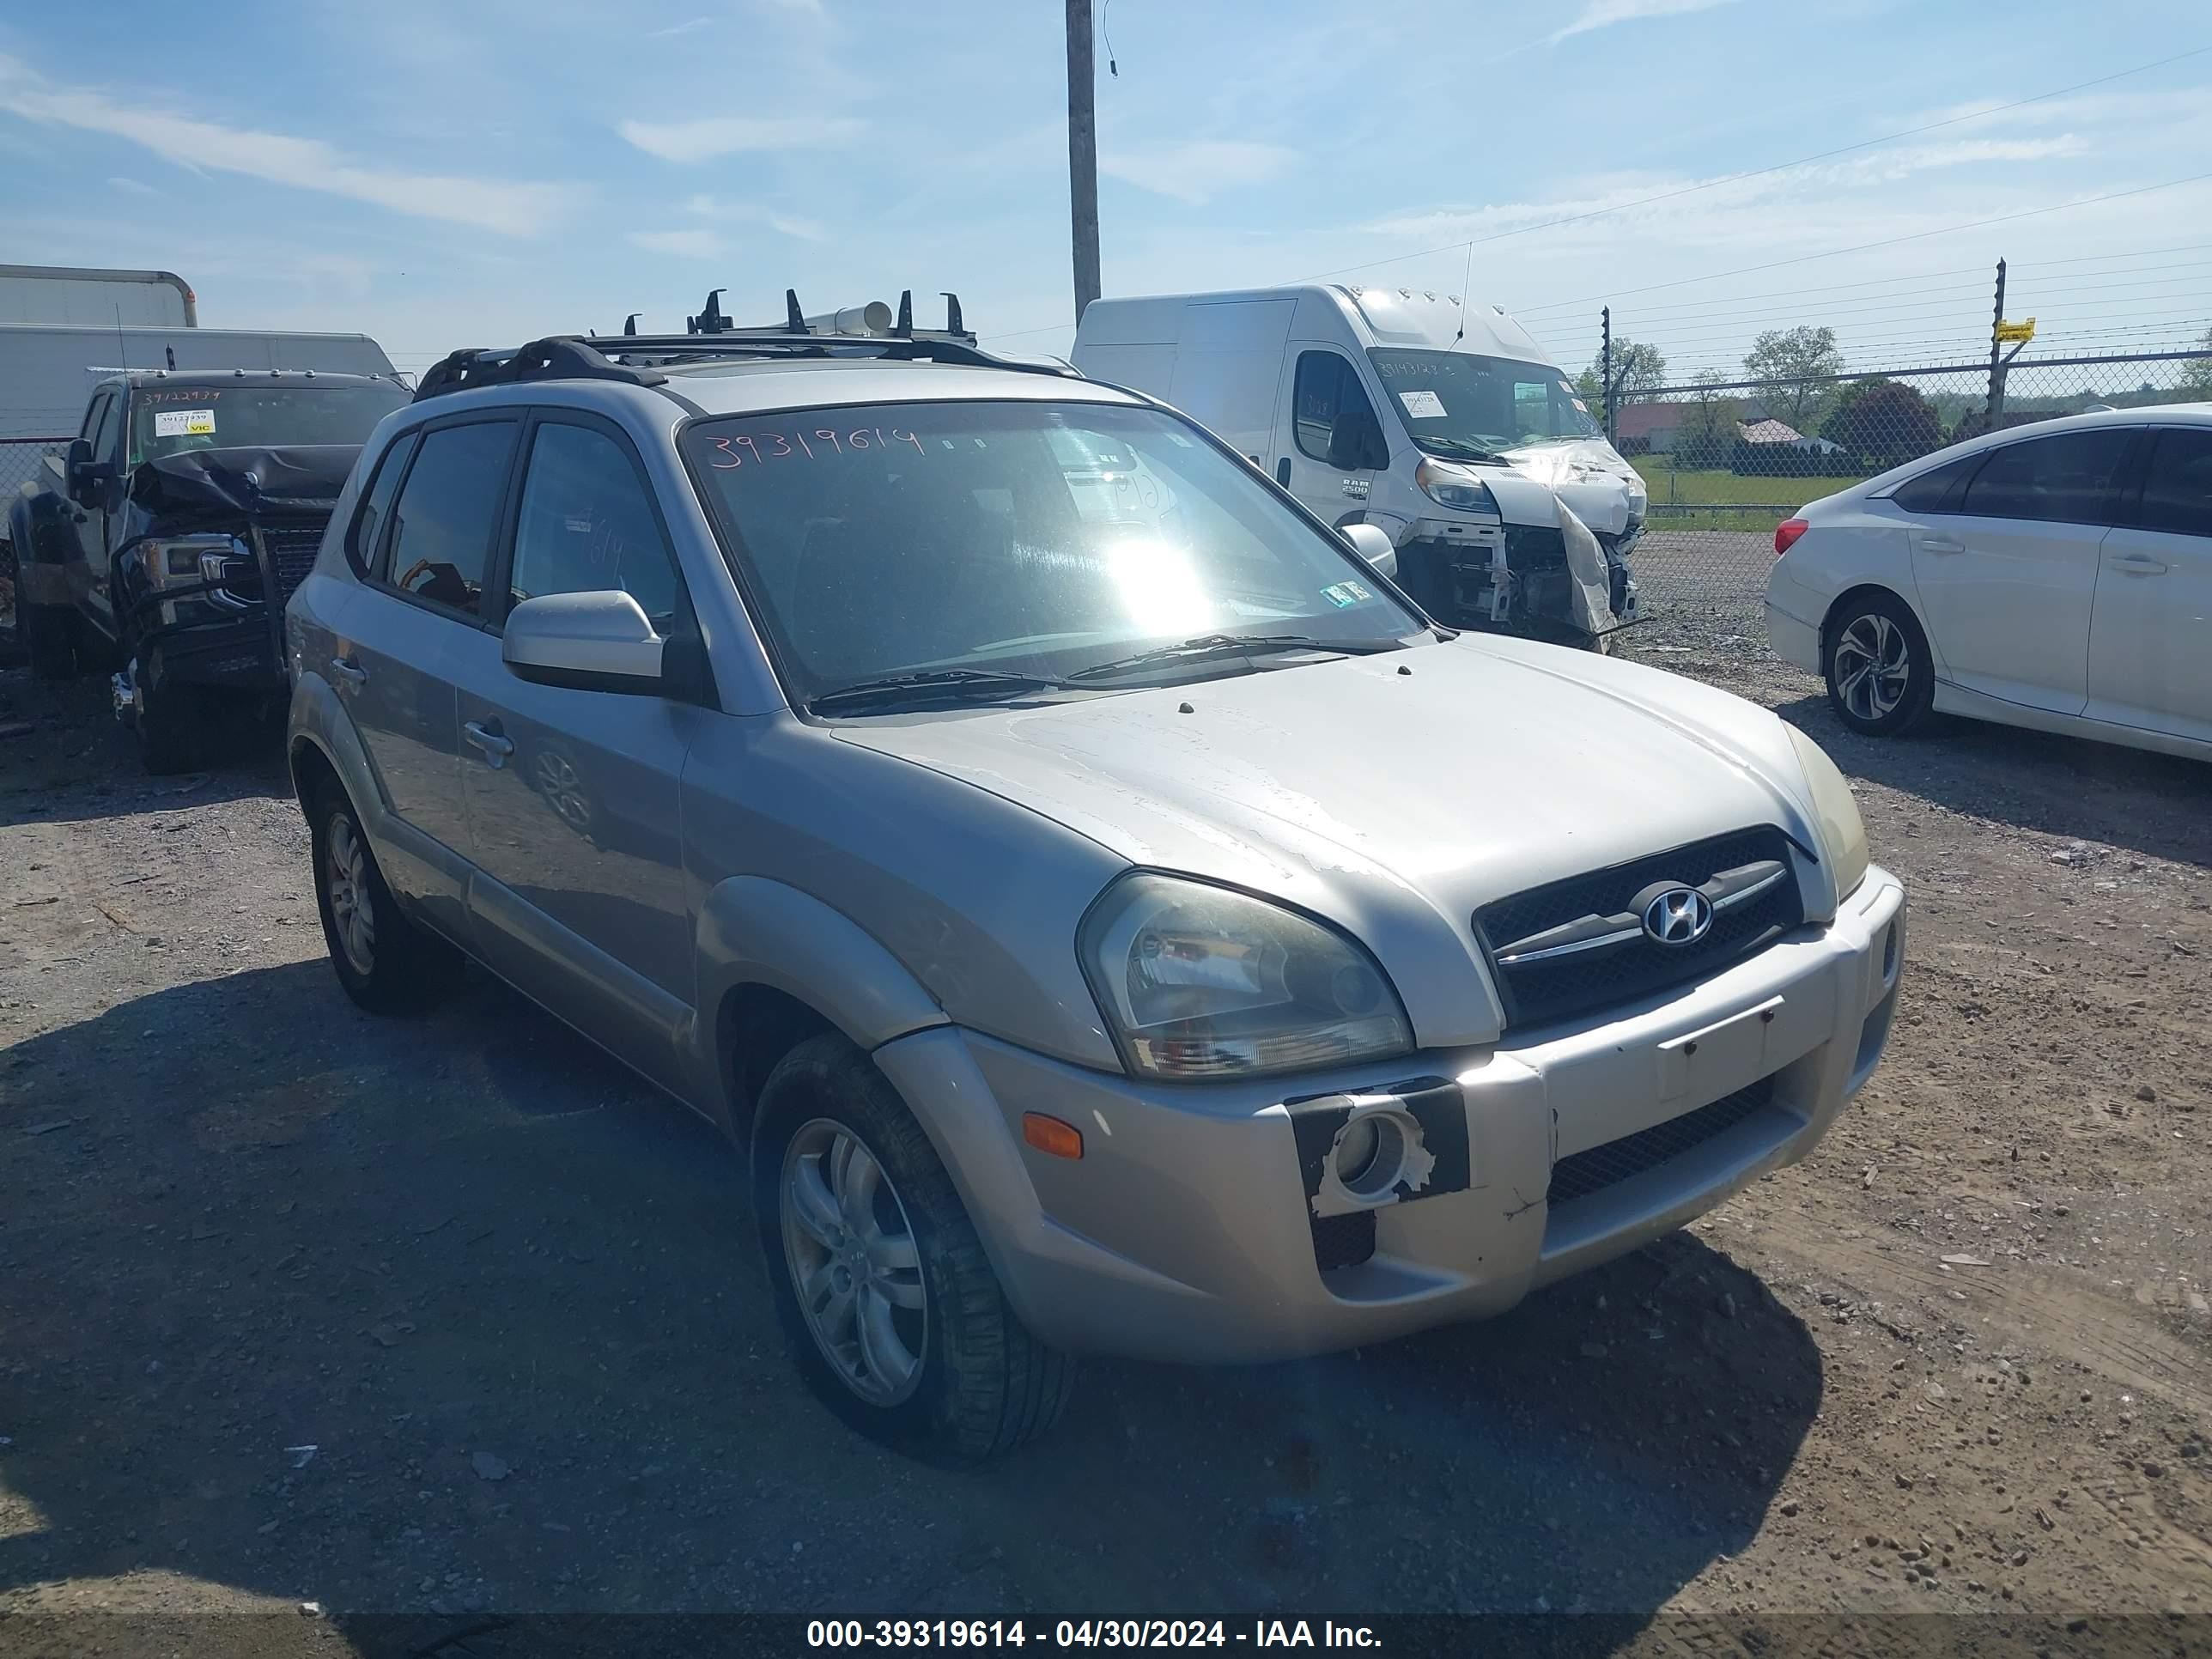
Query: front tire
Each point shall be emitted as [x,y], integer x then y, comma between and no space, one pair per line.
[171,722]
[387,962]
[1880,673]
[891,1307]
[48,636]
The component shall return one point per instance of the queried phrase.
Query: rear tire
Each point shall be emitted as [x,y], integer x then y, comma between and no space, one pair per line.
[855,1207]
[387,962]
[1880,673]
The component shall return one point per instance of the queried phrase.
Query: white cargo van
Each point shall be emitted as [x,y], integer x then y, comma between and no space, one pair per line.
[1442,424]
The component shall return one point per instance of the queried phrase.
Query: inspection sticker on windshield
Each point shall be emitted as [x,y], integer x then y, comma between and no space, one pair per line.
[1344,593]
[183,422]
[1422,405]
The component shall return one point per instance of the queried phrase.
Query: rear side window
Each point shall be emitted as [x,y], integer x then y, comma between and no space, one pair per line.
[2066,478]
[1938,489]
[448,508]
[2178,484]
[369,520]
[1326,387]
[103,441]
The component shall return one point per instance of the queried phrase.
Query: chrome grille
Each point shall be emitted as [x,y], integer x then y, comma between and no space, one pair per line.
[1539,986]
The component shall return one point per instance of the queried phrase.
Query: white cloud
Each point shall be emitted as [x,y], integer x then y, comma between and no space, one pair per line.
[690,26]
[1604,14]
[511,209]
[1195,170]
[135,186]
[725,135]
[784,224]
[679,243]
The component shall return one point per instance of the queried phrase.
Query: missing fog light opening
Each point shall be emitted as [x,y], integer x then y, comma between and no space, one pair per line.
[1376,1158]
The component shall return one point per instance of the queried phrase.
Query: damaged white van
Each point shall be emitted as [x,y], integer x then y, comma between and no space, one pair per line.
[1441,422]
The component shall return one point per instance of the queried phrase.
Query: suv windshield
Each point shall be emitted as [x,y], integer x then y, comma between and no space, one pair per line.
[165,420]
[1453,401]
[1030,539]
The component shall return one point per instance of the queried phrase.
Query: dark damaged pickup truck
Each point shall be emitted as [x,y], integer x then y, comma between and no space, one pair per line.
[162,544]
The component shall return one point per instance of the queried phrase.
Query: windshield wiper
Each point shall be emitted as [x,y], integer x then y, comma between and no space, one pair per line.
[1459,449]
[1229,645]
[925,685]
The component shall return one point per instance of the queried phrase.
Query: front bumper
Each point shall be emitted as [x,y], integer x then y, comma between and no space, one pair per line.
[1184,1231]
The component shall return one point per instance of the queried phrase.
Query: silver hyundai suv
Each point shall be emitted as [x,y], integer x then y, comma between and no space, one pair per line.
[1111,916]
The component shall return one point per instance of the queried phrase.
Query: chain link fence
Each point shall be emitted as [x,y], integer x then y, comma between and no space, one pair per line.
[1725,461]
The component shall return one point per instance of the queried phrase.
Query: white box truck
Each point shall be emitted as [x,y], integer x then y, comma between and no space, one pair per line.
[1442,423]
[94,296]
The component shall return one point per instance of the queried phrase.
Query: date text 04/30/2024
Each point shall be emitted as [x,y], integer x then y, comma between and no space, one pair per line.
[830,1633]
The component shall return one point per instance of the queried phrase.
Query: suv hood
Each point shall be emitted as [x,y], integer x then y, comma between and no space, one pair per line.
[1394,804]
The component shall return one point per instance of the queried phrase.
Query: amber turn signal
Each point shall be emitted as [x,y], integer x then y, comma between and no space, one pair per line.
[1050,1134]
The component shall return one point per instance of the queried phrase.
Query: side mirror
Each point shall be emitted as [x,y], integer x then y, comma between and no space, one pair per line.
[1355,441]
[598,642]
[1372,542]
[79,476]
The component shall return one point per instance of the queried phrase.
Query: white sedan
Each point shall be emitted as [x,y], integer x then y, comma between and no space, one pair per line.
[2057,576]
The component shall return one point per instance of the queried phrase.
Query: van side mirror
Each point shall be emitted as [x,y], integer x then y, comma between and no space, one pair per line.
[596,641]
[1355,441]
[1372,542]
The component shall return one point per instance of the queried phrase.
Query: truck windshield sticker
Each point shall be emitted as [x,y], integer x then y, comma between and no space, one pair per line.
[183,422]
[1345,593]
[1422,405]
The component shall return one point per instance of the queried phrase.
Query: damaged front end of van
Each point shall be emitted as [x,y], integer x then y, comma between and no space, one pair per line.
[1534,568]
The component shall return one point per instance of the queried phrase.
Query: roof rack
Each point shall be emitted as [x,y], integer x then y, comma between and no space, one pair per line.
[636,359]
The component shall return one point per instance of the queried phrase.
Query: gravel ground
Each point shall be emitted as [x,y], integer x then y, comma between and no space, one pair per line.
[442,1317]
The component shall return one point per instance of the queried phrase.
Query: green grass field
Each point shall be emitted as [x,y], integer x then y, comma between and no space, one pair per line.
[1704,489]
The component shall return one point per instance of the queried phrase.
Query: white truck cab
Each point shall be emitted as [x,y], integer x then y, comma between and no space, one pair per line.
[1442,423]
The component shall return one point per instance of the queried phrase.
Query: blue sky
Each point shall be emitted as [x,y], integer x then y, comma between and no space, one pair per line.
[442,173]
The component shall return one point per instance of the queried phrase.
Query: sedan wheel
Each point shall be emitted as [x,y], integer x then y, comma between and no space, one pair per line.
[854,1262]
[1882,675]
[1873,666]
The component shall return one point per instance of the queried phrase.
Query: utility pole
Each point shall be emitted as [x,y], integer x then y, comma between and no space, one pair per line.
[1997,363]
[1082,154]
[1605,373]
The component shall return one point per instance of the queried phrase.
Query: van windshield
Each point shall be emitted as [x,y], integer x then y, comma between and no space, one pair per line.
[998,539]
[1456,405]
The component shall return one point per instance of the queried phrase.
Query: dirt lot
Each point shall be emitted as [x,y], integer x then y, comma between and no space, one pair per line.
[450,1317]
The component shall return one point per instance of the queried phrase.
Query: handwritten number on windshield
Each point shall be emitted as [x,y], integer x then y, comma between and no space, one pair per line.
[841,443]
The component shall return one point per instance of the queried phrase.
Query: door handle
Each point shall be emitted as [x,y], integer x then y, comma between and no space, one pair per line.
[2140,564]
[496,747]
[1939,544]
[1282,472]
[349,673]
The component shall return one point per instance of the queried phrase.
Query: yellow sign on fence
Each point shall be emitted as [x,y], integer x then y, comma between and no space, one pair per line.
[2021,331]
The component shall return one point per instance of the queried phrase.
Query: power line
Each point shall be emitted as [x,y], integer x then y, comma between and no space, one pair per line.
[1762,173]
[1887,241]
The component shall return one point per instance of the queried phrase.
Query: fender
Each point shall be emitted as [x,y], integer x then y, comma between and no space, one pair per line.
[1522,499]
[44,535]
[753,930]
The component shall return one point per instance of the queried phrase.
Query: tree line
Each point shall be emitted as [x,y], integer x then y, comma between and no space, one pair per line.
[1873,422]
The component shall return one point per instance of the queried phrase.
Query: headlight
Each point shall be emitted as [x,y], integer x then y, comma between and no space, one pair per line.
[188,561]
[1201,981]
[1843,831]
[1454,486]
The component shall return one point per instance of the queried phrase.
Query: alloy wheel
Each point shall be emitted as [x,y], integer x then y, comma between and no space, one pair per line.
[854,1263]
[1872,665]
[346,876]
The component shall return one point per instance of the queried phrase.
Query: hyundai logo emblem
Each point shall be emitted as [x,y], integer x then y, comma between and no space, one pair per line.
[1678,916]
